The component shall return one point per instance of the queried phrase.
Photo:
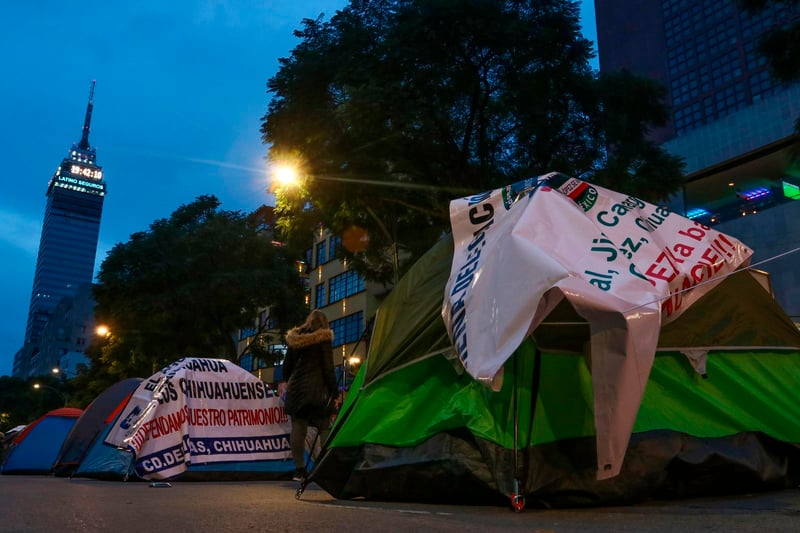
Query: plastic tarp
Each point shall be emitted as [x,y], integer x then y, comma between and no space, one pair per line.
[625,266]
[201,411]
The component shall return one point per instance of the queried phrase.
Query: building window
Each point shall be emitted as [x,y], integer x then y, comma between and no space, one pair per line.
[246,362]
[246,332]
[335,243]
[320,301]
[347,329]
[321,258]
[344,285]
[309,262]
[278,351]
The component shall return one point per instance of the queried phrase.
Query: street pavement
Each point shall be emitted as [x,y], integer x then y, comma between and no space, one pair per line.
[44,503]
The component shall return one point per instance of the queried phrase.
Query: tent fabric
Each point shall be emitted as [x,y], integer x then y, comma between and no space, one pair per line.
[35,449]
[759,324]
[414,428]
[408,323]
[91,424]
[107,460]
[198,411]
[425,428]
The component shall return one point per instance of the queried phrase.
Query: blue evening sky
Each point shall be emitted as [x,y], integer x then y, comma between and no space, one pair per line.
[181,86]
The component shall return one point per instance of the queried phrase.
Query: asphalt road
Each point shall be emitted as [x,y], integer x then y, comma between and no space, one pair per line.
[42,503]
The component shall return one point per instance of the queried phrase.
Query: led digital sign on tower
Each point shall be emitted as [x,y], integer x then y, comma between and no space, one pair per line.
[67,246]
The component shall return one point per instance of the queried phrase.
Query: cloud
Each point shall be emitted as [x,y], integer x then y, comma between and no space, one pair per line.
[19,231]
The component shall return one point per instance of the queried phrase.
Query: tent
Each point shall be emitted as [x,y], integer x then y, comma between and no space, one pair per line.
[196,419]
[714,408]
[106,462]
[94,420]
[35,449]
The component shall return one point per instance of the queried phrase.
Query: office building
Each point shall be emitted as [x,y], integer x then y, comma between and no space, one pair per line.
[67,246]
[342,294]
[731,121]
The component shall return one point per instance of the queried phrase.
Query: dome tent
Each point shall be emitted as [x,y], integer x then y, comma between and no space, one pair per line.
[35,449]
[714,410]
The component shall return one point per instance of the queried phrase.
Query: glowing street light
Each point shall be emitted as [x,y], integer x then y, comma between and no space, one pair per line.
[286,175]
[64,398]
[102,330]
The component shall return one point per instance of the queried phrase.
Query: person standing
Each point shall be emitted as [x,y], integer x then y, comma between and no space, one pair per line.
[311,379]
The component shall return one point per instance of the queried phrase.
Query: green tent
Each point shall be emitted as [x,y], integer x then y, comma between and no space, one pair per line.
[719,412]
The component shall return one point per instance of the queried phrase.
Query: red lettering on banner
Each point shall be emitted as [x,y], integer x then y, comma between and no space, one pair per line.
[664,268]
[683,250]
[695,233]
[712,257]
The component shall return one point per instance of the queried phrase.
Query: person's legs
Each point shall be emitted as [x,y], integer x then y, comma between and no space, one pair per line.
[297,442]
[323,425]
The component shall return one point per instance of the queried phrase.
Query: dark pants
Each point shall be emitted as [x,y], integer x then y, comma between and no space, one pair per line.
[298,437]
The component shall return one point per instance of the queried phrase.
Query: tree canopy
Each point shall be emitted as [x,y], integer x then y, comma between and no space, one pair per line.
[185,286]
[22,403]
[780,44]
[392,108]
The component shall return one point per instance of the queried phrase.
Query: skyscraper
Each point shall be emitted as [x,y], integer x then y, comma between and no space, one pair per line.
[67,246]
[731,120]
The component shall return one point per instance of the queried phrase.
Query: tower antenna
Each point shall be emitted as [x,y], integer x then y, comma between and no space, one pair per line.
[84,144]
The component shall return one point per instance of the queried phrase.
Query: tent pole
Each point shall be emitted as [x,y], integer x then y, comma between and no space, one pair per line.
[517,499]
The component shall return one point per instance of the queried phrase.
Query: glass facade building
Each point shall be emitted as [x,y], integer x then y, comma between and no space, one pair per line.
[67,246]
[732,122]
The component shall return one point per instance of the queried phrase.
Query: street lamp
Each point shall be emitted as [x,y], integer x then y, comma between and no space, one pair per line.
[64,397]
[102,330]
[286,175]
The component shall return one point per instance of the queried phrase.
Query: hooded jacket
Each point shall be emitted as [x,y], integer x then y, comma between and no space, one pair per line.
[308,369]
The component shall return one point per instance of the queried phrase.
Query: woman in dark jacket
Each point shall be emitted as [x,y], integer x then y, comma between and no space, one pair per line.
[312,390]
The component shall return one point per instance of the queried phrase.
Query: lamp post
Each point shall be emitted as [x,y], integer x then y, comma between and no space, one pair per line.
[64,397]
[287,175]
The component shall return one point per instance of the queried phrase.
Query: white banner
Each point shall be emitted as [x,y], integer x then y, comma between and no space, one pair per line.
[201,411]
[625,265]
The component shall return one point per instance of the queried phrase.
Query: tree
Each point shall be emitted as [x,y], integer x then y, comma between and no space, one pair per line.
[21,404]
[185,287]
[394,107]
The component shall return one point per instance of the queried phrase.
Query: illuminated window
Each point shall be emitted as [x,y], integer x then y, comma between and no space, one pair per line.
[335,243]
[320,296]
[791,191]
[344,285]
[347,329]
[321,258]
[696,213]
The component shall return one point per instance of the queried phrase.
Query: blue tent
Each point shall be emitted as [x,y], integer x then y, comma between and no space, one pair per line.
[103,461]
[36,448]
[94,420]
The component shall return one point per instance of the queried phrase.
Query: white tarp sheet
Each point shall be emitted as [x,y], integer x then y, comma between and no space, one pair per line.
[201,411]
[625,265]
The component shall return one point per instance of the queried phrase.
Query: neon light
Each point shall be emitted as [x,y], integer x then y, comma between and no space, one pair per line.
[754,194]
[791,191]
[695,213]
